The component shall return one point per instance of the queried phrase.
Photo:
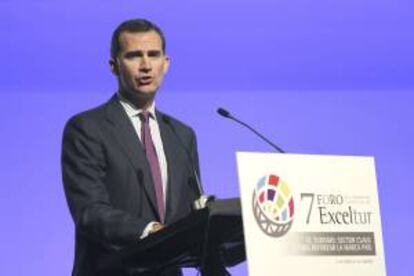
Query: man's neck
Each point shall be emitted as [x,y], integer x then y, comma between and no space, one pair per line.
[143,103]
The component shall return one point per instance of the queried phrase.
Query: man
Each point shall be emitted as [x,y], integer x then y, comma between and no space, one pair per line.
[128,169]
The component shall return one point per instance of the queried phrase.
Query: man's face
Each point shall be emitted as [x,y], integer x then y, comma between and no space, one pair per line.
[140,65]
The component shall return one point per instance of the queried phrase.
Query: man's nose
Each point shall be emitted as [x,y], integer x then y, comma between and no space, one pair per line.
[145,64]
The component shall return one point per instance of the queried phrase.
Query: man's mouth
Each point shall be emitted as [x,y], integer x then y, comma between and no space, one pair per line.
[145,80]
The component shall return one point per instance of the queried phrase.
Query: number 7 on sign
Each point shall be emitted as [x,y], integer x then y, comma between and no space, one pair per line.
[311,196]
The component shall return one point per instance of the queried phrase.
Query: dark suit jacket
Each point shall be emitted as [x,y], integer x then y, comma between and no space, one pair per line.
[108,184]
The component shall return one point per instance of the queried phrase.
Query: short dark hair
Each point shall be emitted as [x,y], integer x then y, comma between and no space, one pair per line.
[137,25]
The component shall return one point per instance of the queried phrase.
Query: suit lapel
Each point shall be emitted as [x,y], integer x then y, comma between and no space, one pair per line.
[128,140]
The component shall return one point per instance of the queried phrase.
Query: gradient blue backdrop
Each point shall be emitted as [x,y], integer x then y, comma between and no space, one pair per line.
[324,77]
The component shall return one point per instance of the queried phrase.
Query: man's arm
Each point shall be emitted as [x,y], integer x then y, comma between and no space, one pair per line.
[84,167]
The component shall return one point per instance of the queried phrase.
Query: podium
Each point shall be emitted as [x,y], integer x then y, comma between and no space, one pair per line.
[210,239]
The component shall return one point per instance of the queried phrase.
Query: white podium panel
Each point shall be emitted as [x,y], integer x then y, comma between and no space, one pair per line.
[310,215]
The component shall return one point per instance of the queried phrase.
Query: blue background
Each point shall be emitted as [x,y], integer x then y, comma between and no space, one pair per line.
[319,77]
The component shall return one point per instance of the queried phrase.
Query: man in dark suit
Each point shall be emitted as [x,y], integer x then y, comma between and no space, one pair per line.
[128,169]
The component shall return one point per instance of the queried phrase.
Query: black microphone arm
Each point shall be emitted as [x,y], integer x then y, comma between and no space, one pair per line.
[203,199]
[223,112]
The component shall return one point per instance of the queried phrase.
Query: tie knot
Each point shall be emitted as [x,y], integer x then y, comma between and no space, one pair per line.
[144,116]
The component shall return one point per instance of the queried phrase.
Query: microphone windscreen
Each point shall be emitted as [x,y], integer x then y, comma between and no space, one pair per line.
[166,119]
[223,112]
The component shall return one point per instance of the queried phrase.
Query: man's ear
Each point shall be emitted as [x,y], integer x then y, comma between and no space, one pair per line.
[114,66]
[166,63]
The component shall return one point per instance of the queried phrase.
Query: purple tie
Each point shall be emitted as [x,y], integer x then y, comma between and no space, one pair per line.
[153,162]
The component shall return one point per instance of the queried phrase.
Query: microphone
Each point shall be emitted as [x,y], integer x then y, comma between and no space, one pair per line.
[226,114]
[202,201]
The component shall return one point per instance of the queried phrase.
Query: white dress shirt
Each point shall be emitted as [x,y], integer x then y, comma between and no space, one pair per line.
[133,114]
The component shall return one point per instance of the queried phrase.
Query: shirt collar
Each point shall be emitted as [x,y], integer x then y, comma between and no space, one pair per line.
[132,110]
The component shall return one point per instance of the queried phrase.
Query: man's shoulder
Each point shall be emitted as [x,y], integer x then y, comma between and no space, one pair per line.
[96,113]
[90,120]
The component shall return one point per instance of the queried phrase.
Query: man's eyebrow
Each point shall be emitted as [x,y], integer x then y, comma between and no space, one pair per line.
[139,53]
[136,53]
[154,53]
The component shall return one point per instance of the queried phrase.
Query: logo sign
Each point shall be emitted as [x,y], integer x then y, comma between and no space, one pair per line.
[310,215]
[273,205]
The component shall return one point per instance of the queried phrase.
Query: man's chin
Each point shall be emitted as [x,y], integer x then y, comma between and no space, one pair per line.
[139,98]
